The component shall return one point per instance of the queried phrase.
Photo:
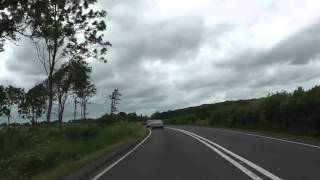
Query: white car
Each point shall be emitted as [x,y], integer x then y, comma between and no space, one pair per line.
[155,124]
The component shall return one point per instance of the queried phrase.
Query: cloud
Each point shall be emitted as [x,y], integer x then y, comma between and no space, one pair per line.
[168,40]
[299,48]
[24,61]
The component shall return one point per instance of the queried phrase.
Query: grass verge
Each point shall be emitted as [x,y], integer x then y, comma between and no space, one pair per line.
[66,169]
[44,153]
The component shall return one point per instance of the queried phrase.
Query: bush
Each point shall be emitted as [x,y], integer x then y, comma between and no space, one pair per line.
[80,132]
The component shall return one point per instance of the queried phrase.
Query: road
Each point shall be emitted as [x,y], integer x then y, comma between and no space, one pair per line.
[190,153]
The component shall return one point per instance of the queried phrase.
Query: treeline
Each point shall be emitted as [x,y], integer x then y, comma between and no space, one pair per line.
[71,80]
[123,117]
[64,35]
[297,112]
[113,119]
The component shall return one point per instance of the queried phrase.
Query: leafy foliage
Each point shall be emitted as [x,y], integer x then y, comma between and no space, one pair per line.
[33,103]
[123,117]
[297,112]
[12,97]
[80,75]
[12,14]
[115,99]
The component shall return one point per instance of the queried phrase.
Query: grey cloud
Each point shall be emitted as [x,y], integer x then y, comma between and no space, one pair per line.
[22,66]
[298,48]
[24,61]
[168,40]
[111,4]
[284,75]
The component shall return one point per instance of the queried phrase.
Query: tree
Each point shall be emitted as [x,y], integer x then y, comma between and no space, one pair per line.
[12,14]
[133,116]
[115,100]
[33,104]
[156,115]
[62,85]
[68,30]
[84,95]
[80,75]
[13,97]
[3,99]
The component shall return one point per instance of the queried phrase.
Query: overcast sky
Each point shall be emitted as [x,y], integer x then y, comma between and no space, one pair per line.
[170,54]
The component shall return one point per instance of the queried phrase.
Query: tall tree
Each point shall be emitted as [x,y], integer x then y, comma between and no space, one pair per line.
[62,86]
[80,75]
[68,30]
[13,97]
[84,95]
[33,104]
[75,103]
[115,100]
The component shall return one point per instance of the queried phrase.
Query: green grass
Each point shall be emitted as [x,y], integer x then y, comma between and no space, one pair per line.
[201,123]
[51,153]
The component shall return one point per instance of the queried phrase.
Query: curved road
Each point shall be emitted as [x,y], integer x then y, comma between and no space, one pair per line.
[189,153]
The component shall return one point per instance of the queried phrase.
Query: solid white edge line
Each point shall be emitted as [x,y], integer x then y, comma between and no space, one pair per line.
[249,163]
[267,137]
[120,159]
[223,155]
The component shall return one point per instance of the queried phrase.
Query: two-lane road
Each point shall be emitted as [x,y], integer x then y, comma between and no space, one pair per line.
[186,152]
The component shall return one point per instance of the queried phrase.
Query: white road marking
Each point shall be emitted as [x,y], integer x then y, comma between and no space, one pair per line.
[232,161]
[258,168]
[120,159]
[266,137]
[249,163]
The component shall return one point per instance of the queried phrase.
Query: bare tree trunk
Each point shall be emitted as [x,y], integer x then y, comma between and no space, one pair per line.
[59,114]
[111,107]
[75,109]
[50,91]
[8,113]
[81,110]
[50,79]
[8,123]
[84,110]
[61,101]
[60,120]
[32,118]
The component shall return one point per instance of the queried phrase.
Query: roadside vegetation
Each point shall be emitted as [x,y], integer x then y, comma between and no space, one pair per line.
[27,152]
[65,35]
[296,112]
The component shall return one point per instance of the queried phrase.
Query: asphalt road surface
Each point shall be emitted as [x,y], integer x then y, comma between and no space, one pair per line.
[199,153]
